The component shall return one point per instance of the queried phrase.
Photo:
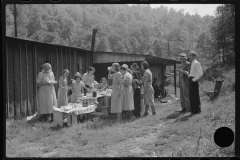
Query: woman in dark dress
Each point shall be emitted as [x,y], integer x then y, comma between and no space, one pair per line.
[137,91]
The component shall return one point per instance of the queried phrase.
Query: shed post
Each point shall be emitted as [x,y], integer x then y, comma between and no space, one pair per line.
[7,79]
[175,81]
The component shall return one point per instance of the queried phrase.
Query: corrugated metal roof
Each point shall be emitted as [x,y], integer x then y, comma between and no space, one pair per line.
[27,40]
[110,57]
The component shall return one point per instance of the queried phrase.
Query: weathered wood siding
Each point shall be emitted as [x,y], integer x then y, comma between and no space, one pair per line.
[23,63]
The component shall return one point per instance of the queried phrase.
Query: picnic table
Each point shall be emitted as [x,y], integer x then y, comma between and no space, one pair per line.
[71,114]
[77,109]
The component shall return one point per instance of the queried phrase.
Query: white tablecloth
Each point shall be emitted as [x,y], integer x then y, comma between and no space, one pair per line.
[77,111]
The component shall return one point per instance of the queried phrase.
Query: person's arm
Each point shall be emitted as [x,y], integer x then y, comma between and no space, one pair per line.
[39,81]
[125,81]
[105,87]
[199,72]
[60,83]
[53,78]
[110,75]
[84,86]
[73,88]
[84,78]
[145,79]
[121,81]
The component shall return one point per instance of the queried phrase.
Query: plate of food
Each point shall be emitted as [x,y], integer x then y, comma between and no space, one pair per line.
[67,108]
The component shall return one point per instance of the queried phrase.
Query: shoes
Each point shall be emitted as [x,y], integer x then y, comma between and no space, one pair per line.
[132,118]
[195,113]
[182,111]
[154,113]
[145,114]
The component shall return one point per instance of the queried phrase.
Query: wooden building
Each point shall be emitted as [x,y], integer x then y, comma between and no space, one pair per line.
[157,65]
[23,61]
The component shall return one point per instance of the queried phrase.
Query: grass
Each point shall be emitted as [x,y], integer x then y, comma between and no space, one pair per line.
[166,134]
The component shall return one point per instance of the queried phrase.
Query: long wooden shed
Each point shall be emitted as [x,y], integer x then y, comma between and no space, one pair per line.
[23,60]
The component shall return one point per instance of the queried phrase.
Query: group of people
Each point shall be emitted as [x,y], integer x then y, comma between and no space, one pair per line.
[128,88]
[189,74]
[79,86]
[158,88]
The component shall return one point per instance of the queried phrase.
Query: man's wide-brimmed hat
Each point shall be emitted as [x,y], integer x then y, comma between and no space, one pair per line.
[125,66]
[192,52]
[183,55]
[135,65]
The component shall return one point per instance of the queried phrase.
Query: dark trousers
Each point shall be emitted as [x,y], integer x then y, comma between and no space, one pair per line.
[194,96]
[137,103]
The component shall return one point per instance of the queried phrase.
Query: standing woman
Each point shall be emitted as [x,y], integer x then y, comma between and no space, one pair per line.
[148,89]
[127,91]
[137,90]
[63,89]
[116,98]
[88,79]
[46,92]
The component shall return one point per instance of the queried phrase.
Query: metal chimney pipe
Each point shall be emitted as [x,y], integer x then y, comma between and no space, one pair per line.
[94,32]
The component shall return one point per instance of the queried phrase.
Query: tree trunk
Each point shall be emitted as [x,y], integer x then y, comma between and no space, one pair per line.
[223,56]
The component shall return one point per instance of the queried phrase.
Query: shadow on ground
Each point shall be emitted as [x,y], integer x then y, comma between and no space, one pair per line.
[173,115]
[183,119]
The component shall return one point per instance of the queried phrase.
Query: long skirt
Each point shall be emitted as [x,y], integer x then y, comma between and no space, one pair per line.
[116,105]
[137,103]
[127,98]
[149,96]
[194,96]
[46,99]
[62,97]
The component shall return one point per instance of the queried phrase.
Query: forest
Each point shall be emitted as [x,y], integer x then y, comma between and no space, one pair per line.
[135,29]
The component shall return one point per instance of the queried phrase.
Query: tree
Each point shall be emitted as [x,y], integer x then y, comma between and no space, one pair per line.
[223,31]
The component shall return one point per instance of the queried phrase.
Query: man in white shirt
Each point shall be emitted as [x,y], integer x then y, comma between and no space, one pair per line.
[194,74]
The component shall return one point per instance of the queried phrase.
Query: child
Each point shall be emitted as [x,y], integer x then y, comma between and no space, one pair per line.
[77,88]
[103,84]
[63,89]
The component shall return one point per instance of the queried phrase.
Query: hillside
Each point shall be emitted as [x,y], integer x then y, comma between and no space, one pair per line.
[137,29]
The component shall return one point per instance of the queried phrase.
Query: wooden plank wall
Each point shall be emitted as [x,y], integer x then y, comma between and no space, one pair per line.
[24,59]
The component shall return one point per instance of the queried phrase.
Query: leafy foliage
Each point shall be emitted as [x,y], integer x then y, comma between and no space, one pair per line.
[137,29]
[223,33]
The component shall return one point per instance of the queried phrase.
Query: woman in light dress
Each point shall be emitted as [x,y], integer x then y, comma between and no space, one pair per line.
[127,91]
[116,98]
[88,79]
[148,89]
[46,92]
[63,89]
